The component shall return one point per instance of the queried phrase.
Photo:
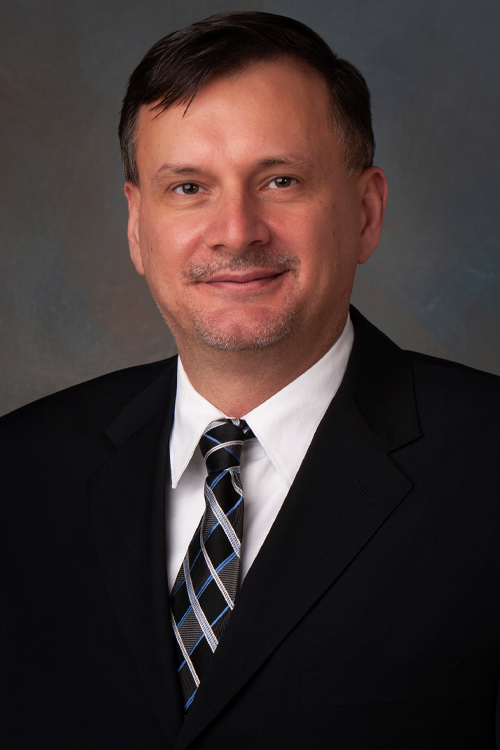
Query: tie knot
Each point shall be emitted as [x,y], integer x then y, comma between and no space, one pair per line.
[221,443]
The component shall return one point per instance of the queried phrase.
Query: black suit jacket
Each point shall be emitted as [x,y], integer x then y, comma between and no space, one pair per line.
[370,618]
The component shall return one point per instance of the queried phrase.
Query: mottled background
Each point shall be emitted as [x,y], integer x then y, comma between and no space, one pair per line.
[72,305]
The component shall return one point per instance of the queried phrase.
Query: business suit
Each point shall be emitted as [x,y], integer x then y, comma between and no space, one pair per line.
[370,618]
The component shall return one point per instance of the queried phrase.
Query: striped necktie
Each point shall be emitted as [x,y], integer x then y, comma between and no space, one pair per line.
[205,589]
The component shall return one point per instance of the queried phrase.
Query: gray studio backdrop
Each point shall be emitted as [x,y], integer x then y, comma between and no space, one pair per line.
[72,305]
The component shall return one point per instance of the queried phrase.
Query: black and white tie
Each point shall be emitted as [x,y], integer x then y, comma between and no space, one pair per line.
[205,589]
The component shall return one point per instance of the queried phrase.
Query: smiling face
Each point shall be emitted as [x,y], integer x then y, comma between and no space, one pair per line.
[246,223]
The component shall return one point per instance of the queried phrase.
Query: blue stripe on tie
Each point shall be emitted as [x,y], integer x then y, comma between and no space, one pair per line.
[197,642]
[212,501]
[209,437]
[225,562]
[218,618]
[218,442]
[186,705]
[234,506]
[199,639]
[202,636]
[218,478]
[200,614]
[174,591]
[233,469]
[188,610]
[218,524]
[233,454]
[200,592]
[213,529]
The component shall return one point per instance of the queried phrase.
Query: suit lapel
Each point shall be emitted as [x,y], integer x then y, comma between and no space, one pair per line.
[127,500]
[344,491]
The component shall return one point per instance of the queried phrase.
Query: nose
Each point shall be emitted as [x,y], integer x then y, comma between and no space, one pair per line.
[237,223]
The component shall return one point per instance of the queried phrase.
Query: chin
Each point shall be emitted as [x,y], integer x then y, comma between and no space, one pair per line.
[244,336]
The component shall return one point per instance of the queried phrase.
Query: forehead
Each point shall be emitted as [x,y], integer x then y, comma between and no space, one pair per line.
[266,106]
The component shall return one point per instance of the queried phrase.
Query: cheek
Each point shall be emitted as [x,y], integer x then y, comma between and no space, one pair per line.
[159,248]
[298,230]
[316,243]
[172,241]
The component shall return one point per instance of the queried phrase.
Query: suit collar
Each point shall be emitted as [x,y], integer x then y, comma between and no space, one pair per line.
[379,380]
[157,398]
[127,503]
[353,485]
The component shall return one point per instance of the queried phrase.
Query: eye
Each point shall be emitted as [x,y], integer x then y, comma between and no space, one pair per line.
[282,182]
[187,188]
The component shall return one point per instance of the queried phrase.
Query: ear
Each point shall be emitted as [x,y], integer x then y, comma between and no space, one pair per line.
[373,191]
[133,195]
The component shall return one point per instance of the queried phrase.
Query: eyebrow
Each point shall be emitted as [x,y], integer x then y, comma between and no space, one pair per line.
[290,161]
[175,169]
[187,170]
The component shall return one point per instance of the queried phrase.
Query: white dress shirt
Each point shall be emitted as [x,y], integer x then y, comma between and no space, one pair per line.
[283,426]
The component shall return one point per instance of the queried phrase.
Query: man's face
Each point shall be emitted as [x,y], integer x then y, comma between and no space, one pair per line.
[246,223]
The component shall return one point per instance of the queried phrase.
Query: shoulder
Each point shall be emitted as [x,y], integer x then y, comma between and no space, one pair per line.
[447,380]
[450,368]
[92,405]
[377,359]
[55,444]
[415,393]
[460,402]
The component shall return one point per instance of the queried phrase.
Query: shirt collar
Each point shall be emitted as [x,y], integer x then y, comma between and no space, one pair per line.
[284,425]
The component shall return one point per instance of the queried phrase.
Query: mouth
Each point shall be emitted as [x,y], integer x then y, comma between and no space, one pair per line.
[247,281]
[258,271]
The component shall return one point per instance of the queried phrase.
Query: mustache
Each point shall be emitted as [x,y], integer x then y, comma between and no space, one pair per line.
[250,260]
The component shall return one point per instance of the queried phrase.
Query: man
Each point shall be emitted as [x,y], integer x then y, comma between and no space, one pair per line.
[345,592]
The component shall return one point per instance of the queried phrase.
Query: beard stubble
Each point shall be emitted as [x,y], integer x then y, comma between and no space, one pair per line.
[223,334]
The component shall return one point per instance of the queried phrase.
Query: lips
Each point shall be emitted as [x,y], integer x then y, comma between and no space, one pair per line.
[249,282]
[243,278]
[258,265]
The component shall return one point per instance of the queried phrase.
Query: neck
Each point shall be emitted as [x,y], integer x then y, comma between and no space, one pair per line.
[238,381]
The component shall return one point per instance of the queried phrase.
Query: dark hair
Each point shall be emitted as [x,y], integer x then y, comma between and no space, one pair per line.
[180,64]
